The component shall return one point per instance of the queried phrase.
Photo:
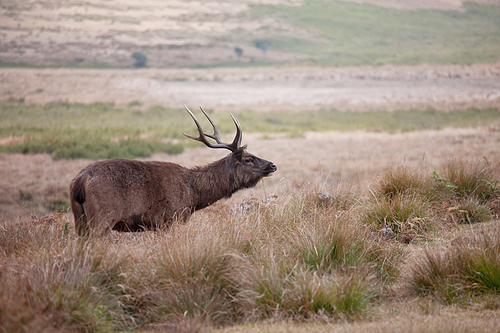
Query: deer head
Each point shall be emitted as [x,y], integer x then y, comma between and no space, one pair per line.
[248,167]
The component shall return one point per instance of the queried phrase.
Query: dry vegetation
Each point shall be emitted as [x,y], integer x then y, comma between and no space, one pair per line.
[318,255]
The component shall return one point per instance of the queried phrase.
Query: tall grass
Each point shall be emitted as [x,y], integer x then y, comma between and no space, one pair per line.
[292,259]
[65,286]
[470,266]
[410,201]
[218,269]
[472,178]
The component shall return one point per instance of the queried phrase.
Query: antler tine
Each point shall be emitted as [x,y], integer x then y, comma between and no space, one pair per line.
[214,136]
[203,135]
[239,133]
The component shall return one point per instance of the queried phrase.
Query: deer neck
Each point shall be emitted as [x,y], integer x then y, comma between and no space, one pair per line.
[212,182]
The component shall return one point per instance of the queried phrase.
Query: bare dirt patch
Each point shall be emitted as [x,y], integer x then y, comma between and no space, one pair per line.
[444,87]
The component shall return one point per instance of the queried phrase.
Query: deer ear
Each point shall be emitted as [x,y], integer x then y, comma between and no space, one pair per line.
[237,155]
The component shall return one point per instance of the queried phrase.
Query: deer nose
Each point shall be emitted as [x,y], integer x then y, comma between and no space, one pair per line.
[273,166]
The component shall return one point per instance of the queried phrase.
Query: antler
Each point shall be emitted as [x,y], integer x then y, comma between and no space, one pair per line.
[203,136]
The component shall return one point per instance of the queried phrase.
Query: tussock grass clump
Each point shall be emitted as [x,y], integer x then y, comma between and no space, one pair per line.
[404,180]
[297,293]
[408,213]
[337,247]
[197,280]
[402,203]
[188,278]
[75,287]
[470,266]
[330,241]
[468,178]
[343,295]
[469,210]
[341,242]
[266,283]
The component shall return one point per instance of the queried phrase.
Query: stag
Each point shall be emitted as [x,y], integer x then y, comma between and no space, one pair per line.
[126,195]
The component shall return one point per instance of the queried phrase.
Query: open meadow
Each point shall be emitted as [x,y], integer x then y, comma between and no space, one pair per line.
[382,116]
[379,227]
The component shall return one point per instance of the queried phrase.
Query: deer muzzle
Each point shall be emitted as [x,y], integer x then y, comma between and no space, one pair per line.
[271,168]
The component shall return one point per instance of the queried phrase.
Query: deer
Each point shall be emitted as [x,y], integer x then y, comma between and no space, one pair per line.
[131,195]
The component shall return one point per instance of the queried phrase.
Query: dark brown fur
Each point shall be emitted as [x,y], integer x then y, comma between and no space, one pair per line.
[127,195]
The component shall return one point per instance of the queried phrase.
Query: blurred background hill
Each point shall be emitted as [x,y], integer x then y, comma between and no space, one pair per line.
[232,33]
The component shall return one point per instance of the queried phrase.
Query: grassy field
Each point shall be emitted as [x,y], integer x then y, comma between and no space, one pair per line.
[412,248]
[420,248]
[413,245]
[101,130]
[375,221]
[336,33]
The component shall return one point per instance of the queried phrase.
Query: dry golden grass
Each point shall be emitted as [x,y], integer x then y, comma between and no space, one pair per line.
[357,158]
[307,261]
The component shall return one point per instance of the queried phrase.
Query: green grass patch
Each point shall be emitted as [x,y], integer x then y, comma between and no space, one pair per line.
[337,33]
[333,120]
[95,131]
[102,130]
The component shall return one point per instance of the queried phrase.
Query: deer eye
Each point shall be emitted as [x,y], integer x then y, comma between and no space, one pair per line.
[248,160]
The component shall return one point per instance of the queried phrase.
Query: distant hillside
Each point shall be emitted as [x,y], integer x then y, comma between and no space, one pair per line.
[166,33]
